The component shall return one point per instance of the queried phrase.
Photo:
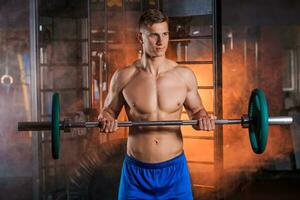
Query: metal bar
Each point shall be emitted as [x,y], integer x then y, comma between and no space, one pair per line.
[228,121]
[218,93]
[34,82]
[39,126]
[280,120]
[89,54]
[69,40]
[189,38]
[100,83]
[34,126]
[195,62]
[74,65]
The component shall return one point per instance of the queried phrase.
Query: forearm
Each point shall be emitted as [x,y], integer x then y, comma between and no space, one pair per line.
[198,115]
[107,113]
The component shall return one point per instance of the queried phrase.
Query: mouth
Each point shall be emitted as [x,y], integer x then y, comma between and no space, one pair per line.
[160,49]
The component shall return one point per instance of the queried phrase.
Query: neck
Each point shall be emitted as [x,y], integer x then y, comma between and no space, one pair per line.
[154,65]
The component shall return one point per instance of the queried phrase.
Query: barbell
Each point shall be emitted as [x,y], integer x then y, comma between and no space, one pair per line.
[257,121]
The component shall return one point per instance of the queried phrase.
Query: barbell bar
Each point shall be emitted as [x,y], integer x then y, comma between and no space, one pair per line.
[66,124]
[257,121]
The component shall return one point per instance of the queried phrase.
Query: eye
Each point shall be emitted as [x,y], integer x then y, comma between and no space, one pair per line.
[166,34]
[153,35]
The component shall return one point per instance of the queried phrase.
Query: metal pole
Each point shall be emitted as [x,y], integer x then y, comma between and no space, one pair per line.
[90,72]
[33,23]
[280,120]
[218,93]
[38,126]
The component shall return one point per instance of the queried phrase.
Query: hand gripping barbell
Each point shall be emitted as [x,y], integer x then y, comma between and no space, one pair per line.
[257,121]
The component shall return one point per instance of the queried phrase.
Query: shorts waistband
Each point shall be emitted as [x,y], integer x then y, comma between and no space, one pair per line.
[176,160]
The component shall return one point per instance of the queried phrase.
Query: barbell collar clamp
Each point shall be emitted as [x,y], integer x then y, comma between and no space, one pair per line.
[245,121]
[66,125]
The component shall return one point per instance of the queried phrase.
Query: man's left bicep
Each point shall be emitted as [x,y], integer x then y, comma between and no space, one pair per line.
[193,102]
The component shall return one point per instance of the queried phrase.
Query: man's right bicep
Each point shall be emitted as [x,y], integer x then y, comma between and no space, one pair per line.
[113,103]
[114,100]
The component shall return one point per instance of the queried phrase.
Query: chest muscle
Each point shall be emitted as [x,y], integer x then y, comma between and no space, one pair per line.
[147,94]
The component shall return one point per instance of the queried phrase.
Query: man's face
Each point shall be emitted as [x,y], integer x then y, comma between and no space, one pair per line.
[155,39]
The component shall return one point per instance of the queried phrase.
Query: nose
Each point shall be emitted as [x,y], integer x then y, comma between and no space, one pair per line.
[158,40]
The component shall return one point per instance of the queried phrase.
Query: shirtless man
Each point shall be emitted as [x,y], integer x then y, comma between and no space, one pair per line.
[154,88]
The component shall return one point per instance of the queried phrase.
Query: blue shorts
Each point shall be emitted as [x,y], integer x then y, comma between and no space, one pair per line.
[166,180]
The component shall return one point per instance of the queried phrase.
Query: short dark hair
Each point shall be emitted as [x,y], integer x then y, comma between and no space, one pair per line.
[152,16]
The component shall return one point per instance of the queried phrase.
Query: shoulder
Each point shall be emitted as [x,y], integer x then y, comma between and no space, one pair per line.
[185,72]
[123,75]
[179,68]
[187,75]
[124,72]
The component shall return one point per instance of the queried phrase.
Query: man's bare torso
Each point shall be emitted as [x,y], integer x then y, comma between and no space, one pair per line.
[149,97]
[154,88]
